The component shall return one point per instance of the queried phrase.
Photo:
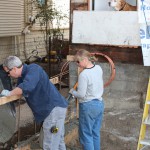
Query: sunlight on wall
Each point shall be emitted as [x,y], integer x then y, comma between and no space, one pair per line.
[63,6]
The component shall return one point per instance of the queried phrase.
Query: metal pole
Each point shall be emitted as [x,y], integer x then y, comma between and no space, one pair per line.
[49,57]
[18,126]
[93,4]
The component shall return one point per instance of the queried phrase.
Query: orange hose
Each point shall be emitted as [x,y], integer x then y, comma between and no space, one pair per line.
[65,66]
[113,71]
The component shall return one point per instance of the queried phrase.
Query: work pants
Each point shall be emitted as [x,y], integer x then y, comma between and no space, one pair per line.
[54,141]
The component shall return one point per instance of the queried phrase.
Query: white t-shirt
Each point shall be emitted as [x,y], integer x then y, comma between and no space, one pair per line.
[90,84]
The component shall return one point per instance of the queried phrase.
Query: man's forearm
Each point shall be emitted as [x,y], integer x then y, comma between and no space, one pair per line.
[16,91]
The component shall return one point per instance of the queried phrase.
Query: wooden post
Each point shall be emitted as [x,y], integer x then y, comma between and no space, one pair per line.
[88,3]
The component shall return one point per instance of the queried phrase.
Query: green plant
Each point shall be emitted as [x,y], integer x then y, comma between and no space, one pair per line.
[50,21]
[49,17]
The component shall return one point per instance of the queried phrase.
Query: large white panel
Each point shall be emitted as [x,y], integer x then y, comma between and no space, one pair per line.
[106,28]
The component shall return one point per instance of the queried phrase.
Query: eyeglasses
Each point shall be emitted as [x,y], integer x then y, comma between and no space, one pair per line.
[8,72]
[77,62]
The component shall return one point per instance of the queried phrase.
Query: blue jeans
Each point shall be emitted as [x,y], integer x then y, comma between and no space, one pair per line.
[90,120]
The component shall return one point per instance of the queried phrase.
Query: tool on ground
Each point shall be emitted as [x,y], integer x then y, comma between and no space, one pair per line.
[54,129]
[70,95]
[143,140]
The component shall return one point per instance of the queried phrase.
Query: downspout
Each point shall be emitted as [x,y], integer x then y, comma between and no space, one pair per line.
[25,52]
[16,47]
[93,4]
[24,45]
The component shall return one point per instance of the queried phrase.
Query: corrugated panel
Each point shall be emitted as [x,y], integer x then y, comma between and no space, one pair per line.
[10,17]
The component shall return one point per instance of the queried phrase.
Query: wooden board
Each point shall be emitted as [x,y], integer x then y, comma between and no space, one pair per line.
[7,99]
[4,100]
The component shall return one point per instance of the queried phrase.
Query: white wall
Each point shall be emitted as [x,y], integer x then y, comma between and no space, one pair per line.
[106,28]
[64,7]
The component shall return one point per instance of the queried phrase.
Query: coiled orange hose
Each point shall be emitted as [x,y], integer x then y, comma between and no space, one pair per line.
[113,71]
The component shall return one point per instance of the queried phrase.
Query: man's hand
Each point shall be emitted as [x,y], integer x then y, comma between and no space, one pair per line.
[5,93]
